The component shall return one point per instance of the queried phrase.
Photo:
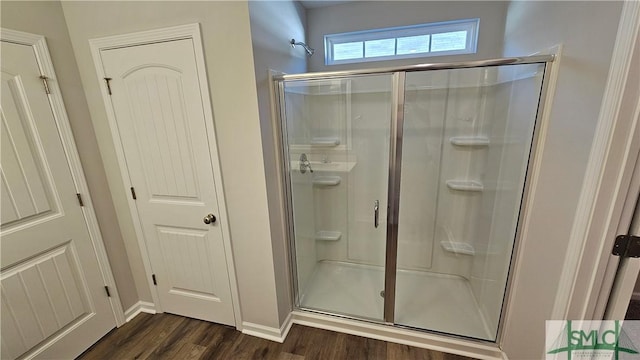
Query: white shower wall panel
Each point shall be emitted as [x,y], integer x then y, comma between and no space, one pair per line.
[370,113]
[303,210]
[425,105]
[327,109]
[298,127]
[458,211]
[301,187]
[332,207]
[438,106]
[445,104]
[508,168]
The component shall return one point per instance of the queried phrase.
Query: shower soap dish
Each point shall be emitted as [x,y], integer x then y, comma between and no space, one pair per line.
[469,141]
[458,247]
[327,180]
[325,141]
[465,185]
[326,235]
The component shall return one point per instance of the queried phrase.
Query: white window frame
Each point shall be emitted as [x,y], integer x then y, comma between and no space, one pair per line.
[469,25]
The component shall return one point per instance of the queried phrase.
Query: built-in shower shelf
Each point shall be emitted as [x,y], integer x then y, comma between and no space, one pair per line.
[326,235]
[477,141]
[458,247]
[465,185]
[325,141]
[326,180]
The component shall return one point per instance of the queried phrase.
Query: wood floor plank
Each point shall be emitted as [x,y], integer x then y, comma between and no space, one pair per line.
[137,344]
[144,339]
[312,343]
[218,339]
[189,351]
[252,348]
[399,351]
[321,343]
[296,342]
[357,347]
[167,346]
[288,356]
[166,336]
[447,356]
[148,341]
[118,338]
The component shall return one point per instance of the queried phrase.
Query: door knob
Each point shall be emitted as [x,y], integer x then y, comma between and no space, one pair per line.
[209,219]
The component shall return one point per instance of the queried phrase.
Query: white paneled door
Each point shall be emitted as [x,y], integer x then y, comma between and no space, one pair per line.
[53,298]
[159,110]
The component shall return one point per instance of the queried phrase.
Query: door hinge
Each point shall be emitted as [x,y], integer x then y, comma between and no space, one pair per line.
[627,246]
[106,288]
[107,80]
[45,82]
[133,193]
[80,199]
[153,277]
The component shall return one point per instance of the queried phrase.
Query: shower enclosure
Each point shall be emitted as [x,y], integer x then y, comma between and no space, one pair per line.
[404,189]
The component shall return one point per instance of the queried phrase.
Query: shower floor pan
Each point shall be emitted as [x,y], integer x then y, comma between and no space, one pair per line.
[424,300]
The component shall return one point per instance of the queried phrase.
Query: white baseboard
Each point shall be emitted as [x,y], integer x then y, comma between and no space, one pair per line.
[476,350]
[139,307]
[266,332]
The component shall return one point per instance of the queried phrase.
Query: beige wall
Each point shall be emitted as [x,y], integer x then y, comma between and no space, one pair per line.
[273,24]
[47,18]
[229,60]
[366,15]
[588,32]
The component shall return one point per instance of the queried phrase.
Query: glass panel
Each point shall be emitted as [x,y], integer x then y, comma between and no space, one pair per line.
[413,44]
[345,51]
[414,39]
[382,47]
[455,40]
[467,139]
[339,129]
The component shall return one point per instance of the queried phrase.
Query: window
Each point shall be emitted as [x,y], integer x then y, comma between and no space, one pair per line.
[424,40]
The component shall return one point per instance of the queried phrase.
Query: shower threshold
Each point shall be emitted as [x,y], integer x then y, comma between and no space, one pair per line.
[424,300]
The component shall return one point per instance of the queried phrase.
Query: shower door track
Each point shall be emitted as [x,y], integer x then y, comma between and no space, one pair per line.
[395,159]
[399,326]
[533,59]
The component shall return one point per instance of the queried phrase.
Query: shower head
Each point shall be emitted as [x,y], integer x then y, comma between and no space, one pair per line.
[306,47]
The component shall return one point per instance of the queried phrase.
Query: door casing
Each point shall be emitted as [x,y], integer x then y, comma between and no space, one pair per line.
[192,32]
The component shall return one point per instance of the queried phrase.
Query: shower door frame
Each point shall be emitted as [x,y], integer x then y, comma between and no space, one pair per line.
[395,161]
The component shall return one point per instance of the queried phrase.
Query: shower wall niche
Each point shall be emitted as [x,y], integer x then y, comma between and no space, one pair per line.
[466,141]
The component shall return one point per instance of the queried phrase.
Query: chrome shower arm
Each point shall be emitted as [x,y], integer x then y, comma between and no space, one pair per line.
[306,47]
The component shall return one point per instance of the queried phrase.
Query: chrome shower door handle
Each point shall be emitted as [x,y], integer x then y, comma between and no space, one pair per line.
[376,211]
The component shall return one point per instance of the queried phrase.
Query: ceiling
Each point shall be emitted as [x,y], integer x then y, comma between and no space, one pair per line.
[313,4]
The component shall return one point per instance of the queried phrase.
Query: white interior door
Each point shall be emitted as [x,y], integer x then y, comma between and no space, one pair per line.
[159,112]
[54,303]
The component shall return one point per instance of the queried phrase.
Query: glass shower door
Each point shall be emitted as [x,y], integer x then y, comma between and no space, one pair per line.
[337,134]
[467,137]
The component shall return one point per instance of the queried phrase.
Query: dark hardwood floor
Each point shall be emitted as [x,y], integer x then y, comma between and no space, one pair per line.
[166,336]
